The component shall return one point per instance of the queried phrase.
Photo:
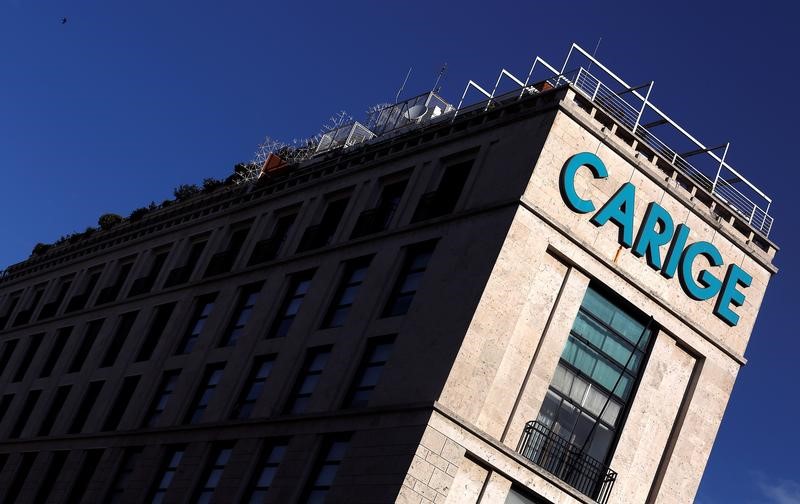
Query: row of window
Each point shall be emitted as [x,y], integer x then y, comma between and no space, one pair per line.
[433,204]
[265,467]
[406,285]
[376,356]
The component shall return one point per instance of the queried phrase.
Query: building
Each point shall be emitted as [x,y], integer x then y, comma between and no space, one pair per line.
[529,299]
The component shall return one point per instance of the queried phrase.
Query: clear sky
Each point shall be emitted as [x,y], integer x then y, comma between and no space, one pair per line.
[126,100]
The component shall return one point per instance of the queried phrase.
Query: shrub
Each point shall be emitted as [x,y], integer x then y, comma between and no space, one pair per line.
[138,213]
[185,191]
[212,184]
[108,221]
[41,249]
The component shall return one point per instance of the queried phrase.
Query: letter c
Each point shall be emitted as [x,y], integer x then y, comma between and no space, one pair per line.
[566,181]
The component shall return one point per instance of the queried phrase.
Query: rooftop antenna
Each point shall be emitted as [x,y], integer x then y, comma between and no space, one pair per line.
[442,73]
[594,53]
[397,96]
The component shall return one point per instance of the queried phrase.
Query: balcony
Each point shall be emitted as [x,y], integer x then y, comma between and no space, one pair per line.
[566,461]
[265,250]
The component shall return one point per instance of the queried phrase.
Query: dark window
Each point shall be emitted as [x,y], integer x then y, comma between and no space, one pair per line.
[377,219]
[51,308]
[85,407]
[298,288]
[89,337]
[205,393]
[182,274]
[110,293]
[321,234]
[307,380]
[124,326]
[78,301]
[331,456]
[143,285]
[5,403]
[268,249]
[262,366]
[59,344]
[121,401]
[160,401]
[443,200]
[269,461]
[416,262]
[222,262]
[54,411]
[160,320]
[202,310]
[85,473]
[24,316]
[248,297]
[8,351]
[354,273]
[34,342]
[369,372]
[23,469]
[166,474]
[126,467]
[57,461]
[24,415]
[212,475]
[11,305]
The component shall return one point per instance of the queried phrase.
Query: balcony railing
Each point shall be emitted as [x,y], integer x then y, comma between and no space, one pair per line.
[567,462]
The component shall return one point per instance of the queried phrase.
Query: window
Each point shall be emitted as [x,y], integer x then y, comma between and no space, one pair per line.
[307,380]
[54,411]
[5,403]
[332,454]
[121,401]
[523,496]
[268,249]
[59,344]
[213,473]
[34,342]
[51,308]
[13,300]
[222,262]
[143,285]
[160,320]
[595,377]
[298,288]
[377,219]
[248,297]
[84,477]
[369,372]
[168,383]
[202,310]
[24,415]
[57,461]
[321,234]
[166,474]
[78,301]
[204,394]
[85,407]
[23,469]
[110,293]
[354,273]
[24,316]
[416,262]
[262,366]
[126,467]
[443,200]
[269,461]
[183,273]
[124,326]
[8,352]
[89,336]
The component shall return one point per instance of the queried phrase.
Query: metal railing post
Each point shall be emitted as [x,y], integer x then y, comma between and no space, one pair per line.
[719,169]
[644,104]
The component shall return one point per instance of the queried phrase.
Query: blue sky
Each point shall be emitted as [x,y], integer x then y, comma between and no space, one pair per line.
[129,99]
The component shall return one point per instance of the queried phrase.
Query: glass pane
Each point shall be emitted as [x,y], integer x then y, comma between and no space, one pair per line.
[358,274]
[302,287]
[327,474]
[611,414]
[224,456]
[317,497]
[618,350]
[293,307]
[338,317]
[627,327]
[265,369]
[595,400]
[411,282]
[381,352]
[370,376]
[549,409]
[319,361]
[266,476]
[276,454]
[578,390]
[565,419]
[348,295]
[213,478]
[299,405]
[206,310]
[601,442]
[420,260]
[258,497]
[337,450]
[308,385]
[598,306]
[562,379]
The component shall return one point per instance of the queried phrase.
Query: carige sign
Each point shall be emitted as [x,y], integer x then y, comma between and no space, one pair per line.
[658,233]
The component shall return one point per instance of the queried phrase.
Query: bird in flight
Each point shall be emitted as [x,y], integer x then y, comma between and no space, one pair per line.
[63,20]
